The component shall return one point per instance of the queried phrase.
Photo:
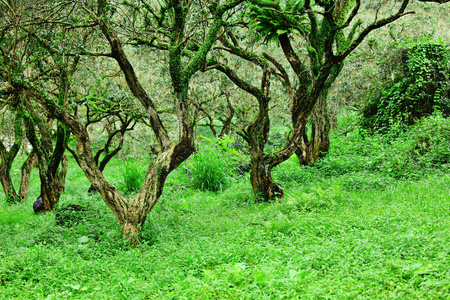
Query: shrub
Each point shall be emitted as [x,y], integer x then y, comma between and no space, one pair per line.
[291,172]
[420,87]
[427,145]
[431,140]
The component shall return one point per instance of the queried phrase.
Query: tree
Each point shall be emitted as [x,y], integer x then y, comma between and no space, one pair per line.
[9,149]
[184,61]
[8,156]
[52,162]
[256,134]
[108,106]
[17,63]
[322,25]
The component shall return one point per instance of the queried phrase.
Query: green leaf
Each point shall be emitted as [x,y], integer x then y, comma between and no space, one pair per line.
[82,240]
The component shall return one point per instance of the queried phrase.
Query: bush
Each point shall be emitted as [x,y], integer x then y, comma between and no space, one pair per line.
[431,140]
[210,168]
[133,175]
[421,87]
[427,145]
[290,172]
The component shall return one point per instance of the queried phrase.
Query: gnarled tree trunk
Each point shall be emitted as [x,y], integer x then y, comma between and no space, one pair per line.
[49,158]
[7,157]
[26,173]
[315,147]
[7,184]
[319,142]
[263,185]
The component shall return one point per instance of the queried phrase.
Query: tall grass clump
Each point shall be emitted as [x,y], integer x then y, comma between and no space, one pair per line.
[132,173]
[210,169]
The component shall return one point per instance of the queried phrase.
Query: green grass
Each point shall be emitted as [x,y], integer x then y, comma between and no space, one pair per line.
[209,168]
[343,230]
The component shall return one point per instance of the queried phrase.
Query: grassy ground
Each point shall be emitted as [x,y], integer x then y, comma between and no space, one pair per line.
[337,234]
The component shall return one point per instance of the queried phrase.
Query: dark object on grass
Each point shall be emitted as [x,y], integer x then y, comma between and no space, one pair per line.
[38,205]
[70,215]
[91,190]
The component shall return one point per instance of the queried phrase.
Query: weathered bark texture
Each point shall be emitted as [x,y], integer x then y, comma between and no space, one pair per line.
[49,158]
[310,150]
[126,125]
[27,166]
[261,179]
[7,157]
[319,142]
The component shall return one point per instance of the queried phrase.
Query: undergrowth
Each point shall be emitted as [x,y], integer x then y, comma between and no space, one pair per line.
[209,168]
[348,227]
[132,173]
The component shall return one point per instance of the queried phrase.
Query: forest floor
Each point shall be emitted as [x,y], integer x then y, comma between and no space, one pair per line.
[342,231]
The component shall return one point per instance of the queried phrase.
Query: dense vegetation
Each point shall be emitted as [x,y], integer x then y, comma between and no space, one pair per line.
[357,225]
[243,149]
[421,85]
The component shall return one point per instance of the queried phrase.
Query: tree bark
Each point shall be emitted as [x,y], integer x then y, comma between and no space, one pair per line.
[320,129]
[26,173]
[263,185]
[7,184]
[316,147]
[49,158]
[7,157]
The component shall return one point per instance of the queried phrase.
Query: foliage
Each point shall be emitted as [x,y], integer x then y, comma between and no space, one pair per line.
[421,86]
[223,144]
[133,174]
[210,166]
[70,215]
[425,146]
[431,140]
[313,244]
[10,199]
[272,19]
[275,142]
[402,152]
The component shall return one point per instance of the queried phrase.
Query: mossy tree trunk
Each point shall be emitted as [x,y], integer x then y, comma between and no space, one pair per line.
[257,135]
[49,158]
[27,166]
[7,158]
[317,145]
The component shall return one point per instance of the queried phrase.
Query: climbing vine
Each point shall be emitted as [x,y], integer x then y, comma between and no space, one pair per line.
[421,87]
